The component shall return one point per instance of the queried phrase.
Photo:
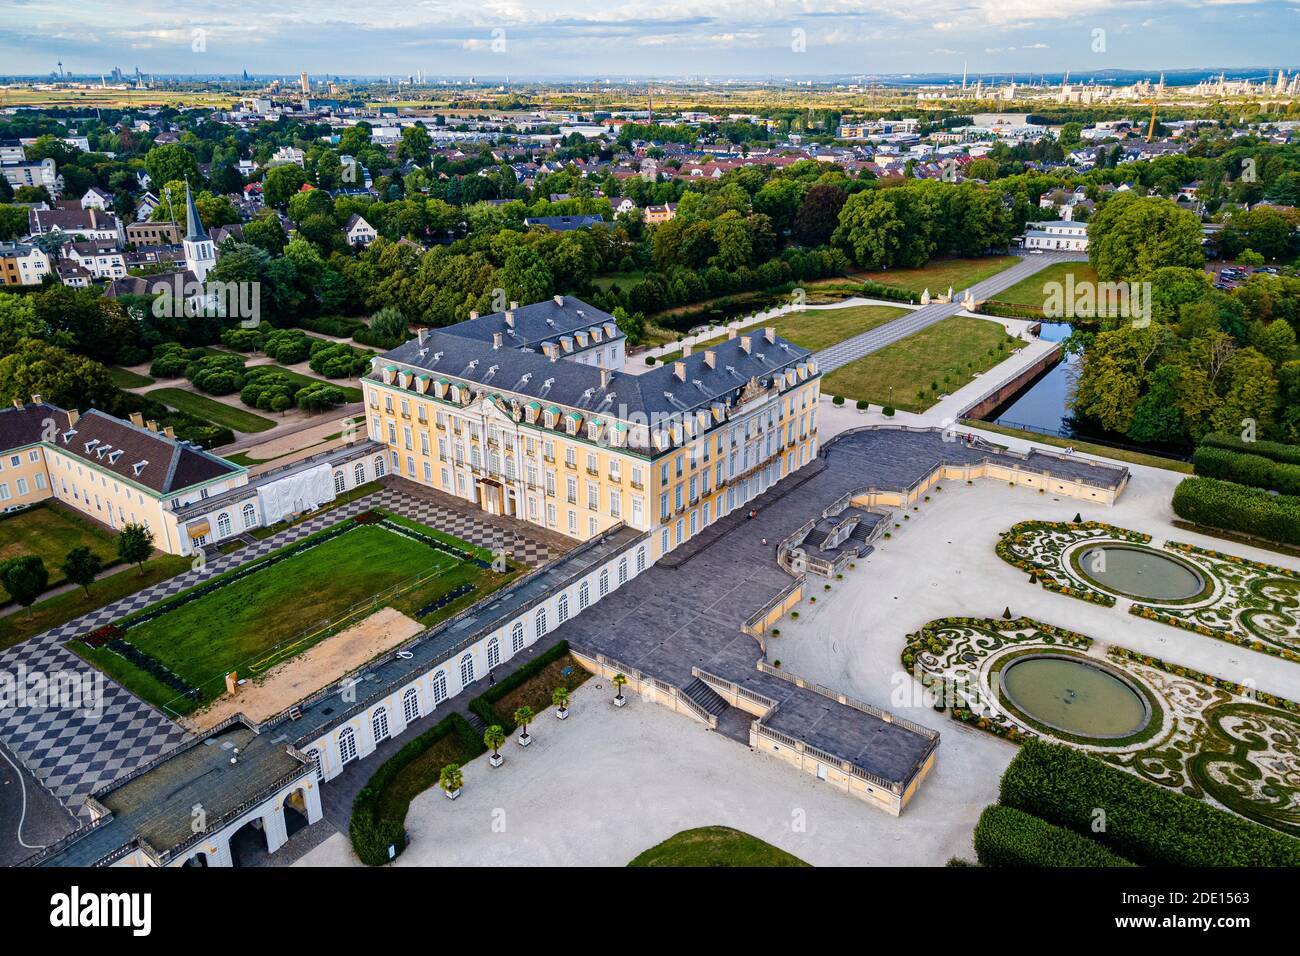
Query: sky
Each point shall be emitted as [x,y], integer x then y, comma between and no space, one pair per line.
[617,39]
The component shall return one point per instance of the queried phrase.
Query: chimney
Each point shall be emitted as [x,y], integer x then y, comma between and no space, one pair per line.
[746,343]
[473,315]
[137,419]
[513,305]
[686,350]
[151,425]
[769,334]
[559,300]
[37,400]
[496,340]
[679,371]
[18,403]
[731,333]
[510,318]
[710,358]
[73,415]
[606,377]
[169,432]
[420,333]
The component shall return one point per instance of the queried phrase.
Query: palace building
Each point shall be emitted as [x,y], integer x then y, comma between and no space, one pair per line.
[530,413]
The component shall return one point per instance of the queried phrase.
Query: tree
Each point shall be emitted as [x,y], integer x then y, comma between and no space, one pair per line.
[282,184]
[523,717]
[415,145]
[389,323]
[81,566]
[135,544]
[59,376]
[560,698]
[25,577]
[1130,237]
[620,681]
[170,163]
[493,737]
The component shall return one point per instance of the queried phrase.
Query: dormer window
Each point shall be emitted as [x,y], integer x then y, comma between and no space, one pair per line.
[90,445]
[101,451]
[112,459]
[67,436]
[138,467]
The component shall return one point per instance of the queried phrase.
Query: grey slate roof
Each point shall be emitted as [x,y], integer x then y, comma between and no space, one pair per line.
[651,397]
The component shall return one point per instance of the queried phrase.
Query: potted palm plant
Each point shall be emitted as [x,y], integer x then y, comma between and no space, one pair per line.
[493,738]
[523,717]
[560,698]
[619,681]
[451,780]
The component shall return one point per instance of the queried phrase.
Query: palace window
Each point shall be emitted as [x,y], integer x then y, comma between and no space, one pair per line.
[517,637]
[340,483]
[347,745]
[584,596]
[562,608]
[249,516]
[223,525]
[494,653]
[410,705]
[379,724]
[466,670]
[539,623]
[622,571]
[604,582]
[439,687]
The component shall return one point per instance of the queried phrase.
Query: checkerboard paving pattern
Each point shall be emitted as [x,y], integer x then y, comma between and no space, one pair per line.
[74,752]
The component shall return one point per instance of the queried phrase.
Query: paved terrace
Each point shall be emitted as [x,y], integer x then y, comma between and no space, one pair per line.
[688,609]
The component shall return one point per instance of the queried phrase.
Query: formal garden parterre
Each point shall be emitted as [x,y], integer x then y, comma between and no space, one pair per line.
[1207,738]
[1247,603]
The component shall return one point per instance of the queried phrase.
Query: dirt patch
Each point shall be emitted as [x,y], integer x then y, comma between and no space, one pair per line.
[311,670]
[536,691]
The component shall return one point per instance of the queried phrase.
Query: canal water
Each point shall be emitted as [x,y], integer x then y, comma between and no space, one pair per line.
[1044,404]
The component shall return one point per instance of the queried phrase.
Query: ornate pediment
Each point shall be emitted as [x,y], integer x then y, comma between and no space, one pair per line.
[752,391]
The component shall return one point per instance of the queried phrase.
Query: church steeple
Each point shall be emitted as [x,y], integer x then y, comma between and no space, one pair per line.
[194,226]
[200,253]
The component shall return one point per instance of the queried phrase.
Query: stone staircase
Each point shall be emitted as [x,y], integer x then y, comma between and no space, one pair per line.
[706,697]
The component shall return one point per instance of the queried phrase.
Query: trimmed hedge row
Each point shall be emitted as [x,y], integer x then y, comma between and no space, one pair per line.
[1272,450]
[1005,836]
[371,830]
[1234,507]
[1144,823]
[482,704]
[1247,469]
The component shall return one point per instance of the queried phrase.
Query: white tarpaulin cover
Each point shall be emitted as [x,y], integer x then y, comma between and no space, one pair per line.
[296,493]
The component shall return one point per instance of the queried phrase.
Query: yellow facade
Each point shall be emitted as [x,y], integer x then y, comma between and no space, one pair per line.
[556,476]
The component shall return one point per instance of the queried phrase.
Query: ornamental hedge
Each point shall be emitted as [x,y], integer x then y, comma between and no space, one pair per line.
[1005,836]
[1234,507]
[1274,451]
[1247,469]
[377,823]
[482,704]
[1143,822]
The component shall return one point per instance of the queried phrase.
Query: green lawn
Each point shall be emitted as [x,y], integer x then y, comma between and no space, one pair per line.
[125,378]
[938,274]
[815,329]
[1030,291]
[715,846]
[624,280]
[65,607]
[50,532]
[214,411]
[267,616]
[955,348]
[351,394]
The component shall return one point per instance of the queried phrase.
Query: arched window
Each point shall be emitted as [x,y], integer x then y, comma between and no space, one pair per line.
[250,516]
[640,560]
[562,607]
[539,623]
[622,571]
[379,724]
[517,637]
[494,653]
[584,596]
[410,705]
[439,687]
[359,473]
[314,754]
[223,525]
[340,483]
[466,670]
[604,582]
[380,468]
[347,745]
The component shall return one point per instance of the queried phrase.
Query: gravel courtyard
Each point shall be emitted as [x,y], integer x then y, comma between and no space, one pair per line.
[606,784]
